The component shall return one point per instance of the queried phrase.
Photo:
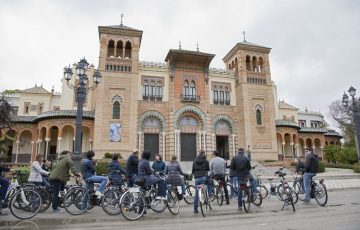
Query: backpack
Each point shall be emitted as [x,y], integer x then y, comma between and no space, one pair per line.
[316,163]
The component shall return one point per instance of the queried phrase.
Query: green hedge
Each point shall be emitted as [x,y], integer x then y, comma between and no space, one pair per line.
[102,166]
[339,165]
[356,168]
[23,178]
[321,167]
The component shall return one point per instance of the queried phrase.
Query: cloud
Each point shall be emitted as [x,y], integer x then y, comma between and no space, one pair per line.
[315,44]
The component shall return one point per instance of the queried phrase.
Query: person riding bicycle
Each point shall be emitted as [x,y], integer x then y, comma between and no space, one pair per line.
[200,169]
[132,167]
[311,168]
[36,172]
[45,178]
[241,167]
[145,173]
[174,172]
[116,171]
[4,183]
[218,170]
[89,174]
[159,165]
[60,175]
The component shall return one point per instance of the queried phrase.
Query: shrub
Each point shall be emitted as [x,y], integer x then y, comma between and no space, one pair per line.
[269,161]
[356,168]
[347,155]
[321,167]
[331,153]
[293,164]
[108,155]
[339,165]
[26,171]
[102,166]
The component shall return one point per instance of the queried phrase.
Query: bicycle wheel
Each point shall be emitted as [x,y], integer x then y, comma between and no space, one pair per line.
[132,205]
[173,202]
[256,198]
[321,195]
[190,194]
[25,203]
[46,198]
[263,191]
[110,202]
[76,201]
[157,206]
[203,202]
[290,200]
[280,192]
[299,189]
[246,200]
[219,195]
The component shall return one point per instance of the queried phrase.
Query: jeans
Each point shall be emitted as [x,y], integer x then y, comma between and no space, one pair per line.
[4,183]
[183,189]
[198,181]
[97,179]
[307,182]
[56,187]
[45,182]
[162,186]
[232,181]
[132,178]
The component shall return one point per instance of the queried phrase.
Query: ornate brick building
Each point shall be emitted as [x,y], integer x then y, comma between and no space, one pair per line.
[176,107]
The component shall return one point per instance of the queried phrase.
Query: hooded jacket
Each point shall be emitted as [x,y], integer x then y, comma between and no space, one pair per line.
[62,168]
[200,166]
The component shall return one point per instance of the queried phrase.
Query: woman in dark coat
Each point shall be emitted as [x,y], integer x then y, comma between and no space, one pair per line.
[116,171]
[145,172]
[174,173]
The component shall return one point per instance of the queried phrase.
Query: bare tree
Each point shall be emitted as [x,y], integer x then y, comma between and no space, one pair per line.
[343,119]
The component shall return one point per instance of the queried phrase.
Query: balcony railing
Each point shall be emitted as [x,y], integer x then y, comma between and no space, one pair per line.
[152,97]
[118,64]
[221,102]
[190,98]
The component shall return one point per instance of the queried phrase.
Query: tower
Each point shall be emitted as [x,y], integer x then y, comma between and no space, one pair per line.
[116,97]
[255,98]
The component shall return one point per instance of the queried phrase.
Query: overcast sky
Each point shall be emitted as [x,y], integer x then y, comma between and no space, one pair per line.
[315,44]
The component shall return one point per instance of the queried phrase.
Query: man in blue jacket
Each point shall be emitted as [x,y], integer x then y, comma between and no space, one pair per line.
[132,167]
[89,174]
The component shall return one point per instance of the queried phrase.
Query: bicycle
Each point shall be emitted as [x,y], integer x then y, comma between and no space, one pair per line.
[283,189]
[136,200]
[204,200]
[260,186]
[24,203]
[190,190]
[318,191]
[248,195]
[218,191]
[111,200]
[173,198]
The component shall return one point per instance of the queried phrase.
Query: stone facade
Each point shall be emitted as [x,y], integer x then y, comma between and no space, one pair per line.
[177,107]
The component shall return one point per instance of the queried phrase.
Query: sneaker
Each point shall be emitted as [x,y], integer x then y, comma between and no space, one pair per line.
[240,209]
[57,211]
[196,211]
[99,194]
[161,198]
[227,202]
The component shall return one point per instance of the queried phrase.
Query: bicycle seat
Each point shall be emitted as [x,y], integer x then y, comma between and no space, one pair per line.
[282,174]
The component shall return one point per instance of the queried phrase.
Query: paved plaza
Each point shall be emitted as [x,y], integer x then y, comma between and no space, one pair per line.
[341,212]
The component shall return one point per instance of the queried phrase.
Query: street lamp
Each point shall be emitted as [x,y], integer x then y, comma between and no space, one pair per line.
[81,89]
[354,108]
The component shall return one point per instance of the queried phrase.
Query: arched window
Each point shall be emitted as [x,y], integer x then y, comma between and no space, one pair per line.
[261,64]
[152,89]
[192,89]
[128,50]
[116,110]
[227,97]
[186,89]
[254,64]
[159,90]
[248,63]
[111,48]
[215,96]
[146,89]
[119,49]
[258,117]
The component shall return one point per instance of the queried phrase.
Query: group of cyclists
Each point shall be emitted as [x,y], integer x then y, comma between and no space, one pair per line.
[159,174]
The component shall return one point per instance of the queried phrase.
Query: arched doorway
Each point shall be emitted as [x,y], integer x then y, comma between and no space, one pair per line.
[151,133]
[302,147]
[25,147]
[189,127]
[288,147]
[52,148]
[67,141]
[317,150]
[223,138]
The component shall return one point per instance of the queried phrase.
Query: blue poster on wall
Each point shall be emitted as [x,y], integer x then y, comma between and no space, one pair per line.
[115,132]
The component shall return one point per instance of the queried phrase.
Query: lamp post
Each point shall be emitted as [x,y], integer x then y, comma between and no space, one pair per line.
[354,108]
[81,88]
